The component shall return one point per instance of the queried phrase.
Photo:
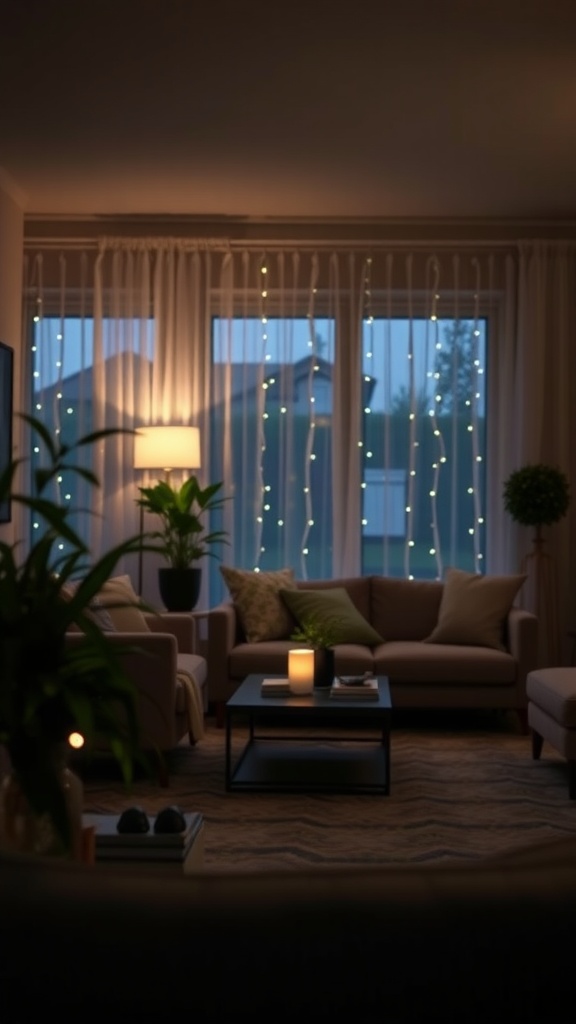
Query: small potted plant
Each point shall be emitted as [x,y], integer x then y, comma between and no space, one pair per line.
[183,537]
[537,495]
[47,689]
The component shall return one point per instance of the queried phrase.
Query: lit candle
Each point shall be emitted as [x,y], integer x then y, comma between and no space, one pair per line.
[301,670]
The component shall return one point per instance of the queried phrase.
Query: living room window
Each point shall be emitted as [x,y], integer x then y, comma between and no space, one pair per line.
[341,398]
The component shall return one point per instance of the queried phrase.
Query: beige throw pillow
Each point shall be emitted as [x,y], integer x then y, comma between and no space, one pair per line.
[126,616]
[262,613]
[474,608]
[96,611]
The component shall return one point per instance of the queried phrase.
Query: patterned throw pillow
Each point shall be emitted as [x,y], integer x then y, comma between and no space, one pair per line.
[474,608]
[262,612]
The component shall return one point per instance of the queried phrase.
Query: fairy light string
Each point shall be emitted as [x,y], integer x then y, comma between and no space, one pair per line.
[262,412]
[368,335]
[309,453]
[475,398]
[412,429]
[439,458]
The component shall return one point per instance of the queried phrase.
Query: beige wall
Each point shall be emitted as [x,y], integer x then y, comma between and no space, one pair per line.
[11,258]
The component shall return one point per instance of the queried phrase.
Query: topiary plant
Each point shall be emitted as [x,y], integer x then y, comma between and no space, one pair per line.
[537,495]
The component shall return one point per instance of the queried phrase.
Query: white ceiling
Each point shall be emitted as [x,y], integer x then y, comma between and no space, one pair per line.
[314,108]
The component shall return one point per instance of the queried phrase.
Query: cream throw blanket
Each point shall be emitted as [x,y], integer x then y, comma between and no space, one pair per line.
[194,708]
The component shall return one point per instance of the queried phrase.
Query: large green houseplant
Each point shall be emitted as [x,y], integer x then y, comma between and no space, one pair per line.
[183,537]
[47,688]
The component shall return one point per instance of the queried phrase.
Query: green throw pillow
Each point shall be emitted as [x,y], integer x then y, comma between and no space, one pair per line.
[474,608]
[331,610]
[262,613]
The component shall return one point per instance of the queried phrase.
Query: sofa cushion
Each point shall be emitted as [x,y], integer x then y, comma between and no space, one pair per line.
[262,613]
[474,608]
[333,610]
[411,661]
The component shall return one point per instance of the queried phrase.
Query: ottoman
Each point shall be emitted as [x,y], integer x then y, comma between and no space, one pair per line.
[551,696]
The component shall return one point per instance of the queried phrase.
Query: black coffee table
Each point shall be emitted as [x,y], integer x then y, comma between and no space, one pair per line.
[337,759]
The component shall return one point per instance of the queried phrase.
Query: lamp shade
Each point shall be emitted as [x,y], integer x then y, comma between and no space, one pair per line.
[167,448]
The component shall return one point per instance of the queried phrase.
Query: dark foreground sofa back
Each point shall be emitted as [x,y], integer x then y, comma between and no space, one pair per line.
[452,944]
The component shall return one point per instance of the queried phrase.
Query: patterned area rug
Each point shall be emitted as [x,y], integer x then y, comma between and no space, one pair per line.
[463,787]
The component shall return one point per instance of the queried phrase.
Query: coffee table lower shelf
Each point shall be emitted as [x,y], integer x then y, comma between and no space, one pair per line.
[297,767]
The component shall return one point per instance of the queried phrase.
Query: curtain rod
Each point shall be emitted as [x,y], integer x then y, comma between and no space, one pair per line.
[269,245]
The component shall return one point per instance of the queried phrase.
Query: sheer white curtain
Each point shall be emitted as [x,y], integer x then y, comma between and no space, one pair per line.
[151,367]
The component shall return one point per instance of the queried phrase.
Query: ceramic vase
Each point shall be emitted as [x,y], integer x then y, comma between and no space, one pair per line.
[323,668]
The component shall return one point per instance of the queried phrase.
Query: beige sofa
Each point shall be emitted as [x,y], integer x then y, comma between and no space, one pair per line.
[421,675]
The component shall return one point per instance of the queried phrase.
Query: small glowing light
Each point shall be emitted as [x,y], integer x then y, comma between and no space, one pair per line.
[76,740]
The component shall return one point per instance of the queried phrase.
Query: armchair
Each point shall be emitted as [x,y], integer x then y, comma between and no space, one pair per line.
[170,679]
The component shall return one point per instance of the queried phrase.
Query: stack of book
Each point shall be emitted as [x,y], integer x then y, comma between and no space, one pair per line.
[111,845]
[275,688]
[354,688]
